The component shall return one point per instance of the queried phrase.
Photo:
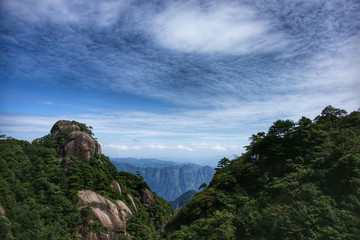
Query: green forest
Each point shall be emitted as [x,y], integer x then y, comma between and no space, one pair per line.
[299,180]
[38,191]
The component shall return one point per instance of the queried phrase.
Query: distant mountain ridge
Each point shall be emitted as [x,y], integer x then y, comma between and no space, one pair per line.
[152,162]
[168,179]
[183,199]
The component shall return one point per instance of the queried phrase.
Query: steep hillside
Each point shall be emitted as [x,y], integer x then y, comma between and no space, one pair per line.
[62,187]
[183,199]
[297,181]
[171,182]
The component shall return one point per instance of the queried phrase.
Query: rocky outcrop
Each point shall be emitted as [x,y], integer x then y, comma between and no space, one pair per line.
[112,216]
[116,186]
[146,197]
[124,211]
[80,145]
[64,126]
[77,143]
[132,202]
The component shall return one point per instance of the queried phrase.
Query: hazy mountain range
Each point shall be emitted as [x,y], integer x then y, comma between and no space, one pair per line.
[168,179]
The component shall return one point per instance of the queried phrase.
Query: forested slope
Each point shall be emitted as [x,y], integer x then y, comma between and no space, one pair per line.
[62,187]
[297,181]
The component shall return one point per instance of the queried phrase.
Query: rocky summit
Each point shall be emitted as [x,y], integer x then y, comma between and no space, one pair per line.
[78,142]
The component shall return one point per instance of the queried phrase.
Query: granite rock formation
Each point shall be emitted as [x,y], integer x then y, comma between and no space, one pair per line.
[76,142]
[112,216]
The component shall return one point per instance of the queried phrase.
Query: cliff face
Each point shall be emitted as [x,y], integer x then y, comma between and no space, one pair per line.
[171,182]
[62,187]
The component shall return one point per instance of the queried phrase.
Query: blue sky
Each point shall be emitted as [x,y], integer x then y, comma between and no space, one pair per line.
[175,80]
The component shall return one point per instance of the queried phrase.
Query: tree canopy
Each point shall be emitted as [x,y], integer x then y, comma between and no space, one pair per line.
[300,180]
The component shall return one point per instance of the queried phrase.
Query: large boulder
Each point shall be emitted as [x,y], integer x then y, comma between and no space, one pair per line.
[146,197]
[73,141]
[80,145]
[112,216]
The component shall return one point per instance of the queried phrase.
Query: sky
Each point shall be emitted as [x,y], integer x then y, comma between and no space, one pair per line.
[187,80]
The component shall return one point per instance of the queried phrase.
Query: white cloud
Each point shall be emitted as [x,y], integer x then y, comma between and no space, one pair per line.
[219,148]
[182,147]
[149,147]
[118,147]
[224,28]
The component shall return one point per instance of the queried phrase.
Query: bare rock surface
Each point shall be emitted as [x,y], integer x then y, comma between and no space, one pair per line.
[79,144]
[124,210]
[63,126]
[146,197]
[111,216]
[116,186]
[132,202]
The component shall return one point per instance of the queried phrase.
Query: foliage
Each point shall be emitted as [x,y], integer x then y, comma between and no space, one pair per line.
[84,128]
[38,192]
[297,181]
[223,163]
[203,186]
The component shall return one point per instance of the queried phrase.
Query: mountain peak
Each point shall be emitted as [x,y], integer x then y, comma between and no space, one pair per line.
[74,138]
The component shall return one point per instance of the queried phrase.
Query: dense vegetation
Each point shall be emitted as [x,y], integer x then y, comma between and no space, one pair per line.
[297,181]
[38,191]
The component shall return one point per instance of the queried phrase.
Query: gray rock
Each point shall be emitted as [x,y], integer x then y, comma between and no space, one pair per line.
[132,202]
[146,197]
[111,216]
[171,182]
[63,126]
[124,210]
[80,145]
